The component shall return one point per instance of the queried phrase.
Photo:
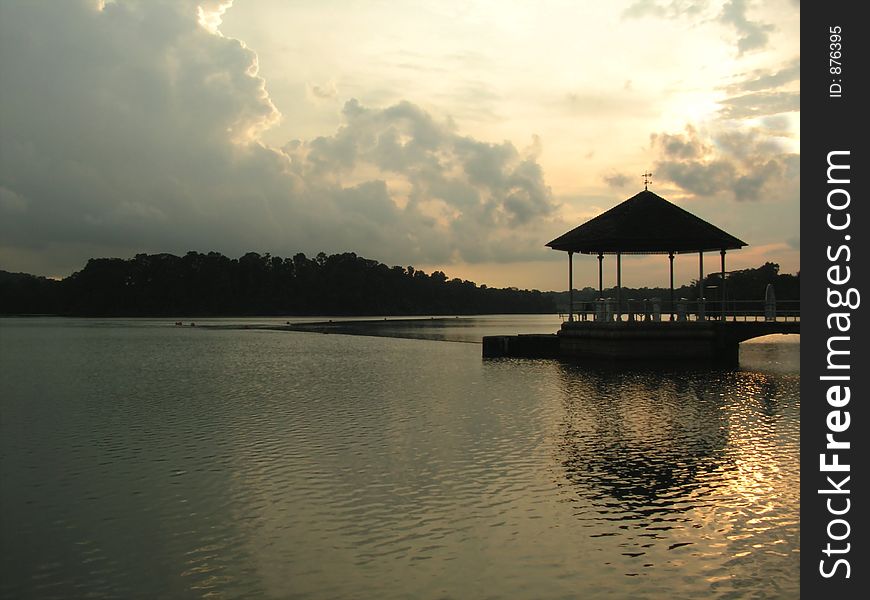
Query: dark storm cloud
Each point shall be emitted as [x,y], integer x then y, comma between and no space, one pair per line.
[133,128]
[115,122]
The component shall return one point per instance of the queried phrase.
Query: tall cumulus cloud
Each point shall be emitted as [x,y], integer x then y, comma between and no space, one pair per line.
[134,126]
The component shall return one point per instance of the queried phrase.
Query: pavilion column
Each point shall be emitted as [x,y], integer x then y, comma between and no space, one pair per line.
[722,285]
[619,286]
[600,275]
[701,285]
[671,261]
[570,287]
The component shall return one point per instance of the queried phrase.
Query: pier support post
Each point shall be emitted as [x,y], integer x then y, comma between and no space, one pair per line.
[671,261]
[570,287]
[619,286]
[701,285]
[600,275]
[722,285]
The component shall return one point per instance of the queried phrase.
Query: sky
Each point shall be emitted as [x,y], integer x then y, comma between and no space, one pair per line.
[452,135]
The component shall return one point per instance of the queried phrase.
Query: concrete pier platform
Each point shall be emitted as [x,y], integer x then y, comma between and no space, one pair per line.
[708,341]
[524,346]
[646,341]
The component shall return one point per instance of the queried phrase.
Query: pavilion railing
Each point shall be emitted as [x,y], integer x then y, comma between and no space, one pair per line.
[684,310]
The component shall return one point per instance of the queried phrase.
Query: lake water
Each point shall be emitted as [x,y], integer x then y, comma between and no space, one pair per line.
[143,460]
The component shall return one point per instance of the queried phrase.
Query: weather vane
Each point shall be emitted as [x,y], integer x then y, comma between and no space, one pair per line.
[647,179]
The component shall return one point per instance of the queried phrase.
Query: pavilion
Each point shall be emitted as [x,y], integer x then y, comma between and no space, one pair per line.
[644,224]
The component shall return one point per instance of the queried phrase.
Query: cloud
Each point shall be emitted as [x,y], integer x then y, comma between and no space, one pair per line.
[136,127]
[752,35]
[760,104]
[327,91]
[667,10]
[776,126]
[617,180]
[744,164]
[111,118]
[445,182]
[762,93]
[742,178]
[680,146]
[762,80]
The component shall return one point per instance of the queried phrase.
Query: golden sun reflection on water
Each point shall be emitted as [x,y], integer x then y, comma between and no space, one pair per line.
[706,457]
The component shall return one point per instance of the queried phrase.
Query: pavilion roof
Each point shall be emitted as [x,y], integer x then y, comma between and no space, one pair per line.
[645,224]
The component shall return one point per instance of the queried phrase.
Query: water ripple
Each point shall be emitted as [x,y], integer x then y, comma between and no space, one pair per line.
[162,462]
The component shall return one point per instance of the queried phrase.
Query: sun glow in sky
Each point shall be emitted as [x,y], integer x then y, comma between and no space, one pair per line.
[459,136]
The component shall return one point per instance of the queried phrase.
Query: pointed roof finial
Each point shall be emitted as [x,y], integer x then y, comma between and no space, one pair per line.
[647,179]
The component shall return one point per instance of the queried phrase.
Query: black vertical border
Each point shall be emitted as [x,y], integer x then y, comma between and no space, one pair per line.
[833,124]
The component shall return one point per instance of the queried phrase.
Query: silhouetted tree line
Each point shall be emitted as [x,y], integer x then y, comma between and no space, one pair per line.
[746,284]
[341,284]
[21,293]
[211,284]
[750,284]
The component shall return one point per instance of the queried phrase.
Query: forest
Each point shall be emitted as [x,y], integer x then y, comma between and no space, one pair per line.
[745,284]
[212,284]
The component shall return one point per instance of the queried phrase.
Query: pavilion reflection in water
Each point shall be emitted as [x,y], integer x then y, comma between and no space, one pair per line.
[663,458]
